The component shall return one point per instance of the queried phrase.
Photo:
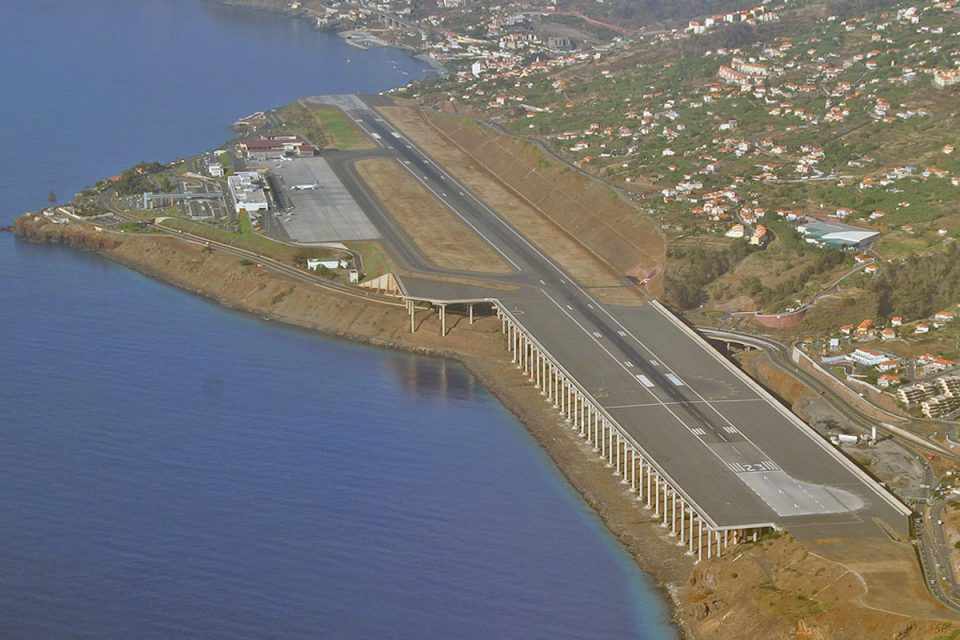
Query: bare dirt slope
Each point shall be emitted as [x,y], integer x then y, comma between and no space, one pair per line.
[792,593]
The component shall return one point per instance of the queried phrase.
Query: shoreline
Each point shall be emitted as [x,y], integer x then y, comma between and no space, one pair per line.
[364,39]
[479,349]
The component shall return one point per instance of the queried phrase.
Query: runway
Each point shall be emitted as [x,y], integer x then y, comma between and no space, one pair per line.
[742,457]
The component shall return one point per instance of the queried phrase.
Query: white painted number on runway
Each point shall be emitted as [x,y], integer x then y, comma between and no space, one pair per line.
[645,381]
[675,380]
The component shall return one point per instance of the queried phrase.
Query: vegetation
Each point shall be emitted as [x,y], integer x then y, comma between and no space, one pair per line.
[324,126]
[138,179]
[920,285]
[697,267]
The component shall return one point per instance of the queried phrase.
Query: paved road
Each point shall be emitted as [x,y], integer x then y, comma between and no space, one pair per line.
[742,458]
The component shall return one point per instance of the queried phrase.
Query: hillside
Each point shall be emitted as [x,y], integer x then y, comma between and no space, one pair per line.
[738,136]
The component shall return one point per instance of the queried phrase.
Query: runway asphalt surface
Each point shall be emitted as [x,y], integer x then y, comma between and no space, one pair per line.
[740,457]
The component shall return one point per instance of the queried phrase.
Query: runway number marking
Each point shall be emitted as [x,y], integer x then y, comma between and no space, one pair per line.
[645,381]
[675,380]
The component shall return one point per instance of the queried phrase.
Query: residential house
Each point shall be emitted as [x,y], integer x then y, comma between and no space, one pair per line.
[887,380]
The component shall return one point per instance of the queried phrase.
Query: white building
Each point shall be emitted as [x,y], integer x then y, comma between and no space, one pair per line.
[215,169]
[314,264]
[246,187]
[869,358]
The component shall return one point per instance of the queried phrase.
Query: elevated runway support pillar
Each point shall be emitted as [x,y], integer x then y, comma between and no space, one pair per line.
[649,485]
[683,514]
[656,501]
[471,313]
[699,540]
[673,515]
[616,452]
[443,320]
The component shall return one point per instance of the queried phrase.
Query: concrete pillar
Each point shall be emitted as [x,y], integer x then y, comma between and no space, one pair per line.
[680,528]
[656,501]
[603,438]
[699,540]
[649,481]
[673,515]
[724,538]
[616,453]
[709,543]
[413,316]
[596,433]
[584,412]
[471,313]
[443,320]
[666,504]
[633,469]
[690,537]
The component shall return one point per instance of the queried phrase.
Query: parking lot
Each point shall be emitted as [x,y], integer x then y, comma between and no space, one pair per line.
[316,206]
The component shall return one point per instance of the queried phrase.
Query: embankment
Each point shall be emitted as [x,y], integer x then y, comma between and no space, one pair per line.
[775,589]
[582,207]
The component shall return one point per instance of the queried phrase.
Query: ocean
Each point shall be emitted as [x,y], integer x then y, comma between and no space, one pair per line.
[170,468]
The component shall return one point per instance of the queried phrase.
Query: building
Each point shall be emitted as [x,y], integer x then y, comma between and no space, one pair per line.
[887,380]
[246,188]
[916,393]
[752,69]
[940,406]
[736,231]
[943,78]
[274,147]
[215,169]
[759,237]
[835,234]
[944,316]
[929,364]
[314,264]
[731,76]
[869,358]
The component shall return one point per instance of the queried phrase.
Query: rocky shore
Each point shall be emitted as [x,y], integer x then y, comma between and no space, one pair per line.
[762,591]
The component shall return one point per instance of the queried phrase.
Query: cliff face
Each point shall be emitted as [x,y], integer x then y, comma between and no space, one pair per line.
[37,228]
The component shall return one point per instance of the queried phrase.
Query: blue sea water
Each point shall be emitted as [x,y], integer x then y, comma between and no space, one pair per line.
[172,469]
